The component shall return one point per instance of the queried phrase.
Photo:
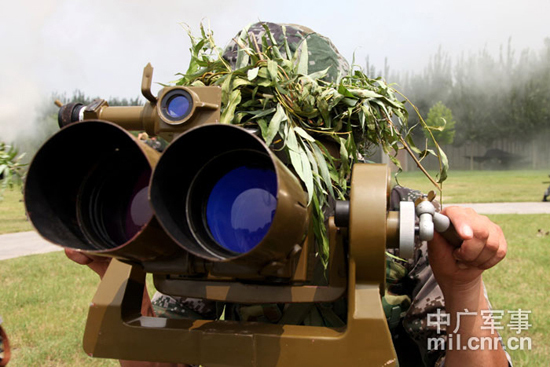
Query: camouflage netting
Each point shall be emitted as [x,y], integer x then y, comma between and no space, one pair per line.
[293,86]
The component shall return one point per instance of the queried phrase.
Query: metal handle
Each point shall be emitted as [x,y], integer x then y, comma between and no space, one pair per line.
[444,226]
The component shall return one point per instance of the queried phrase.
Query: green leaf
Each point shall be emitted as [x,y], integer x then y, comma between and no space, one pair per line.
[261,113]
[444,166]
[226,89]
[289,55]
[307,174]
[253,73]
[344,91]
[364,93]
[239,82]
[323,168]
[262,123]
[275,123]
[303,61]
[272,69]
[319,74]
[303,134]
[229,112]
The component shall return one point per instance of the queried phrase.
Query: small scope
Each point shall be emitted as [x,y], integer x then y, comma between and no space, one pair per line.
[177,104]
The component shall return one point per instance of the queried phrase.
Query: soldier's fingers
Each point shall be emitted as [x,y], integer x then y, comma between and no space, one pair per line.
[475,230]
[489,248]
[492,245]
[499,255]
[78,257]
[463,220]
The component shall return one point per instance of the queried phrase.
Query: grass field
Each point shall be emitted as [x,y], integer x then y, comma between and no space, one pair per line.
[44,301]
[483,186]
[44,298]
[12,212]
[522,281]
[461,187]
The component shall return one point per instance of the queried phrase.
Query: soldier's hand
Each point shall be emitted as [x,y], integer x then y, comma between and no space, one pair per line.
[98,264]
[483,247]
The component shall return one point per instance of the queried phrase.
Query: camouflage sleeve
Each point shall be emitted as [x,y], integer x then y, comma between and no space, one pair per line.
[4,346]
[425,294]
[183,308]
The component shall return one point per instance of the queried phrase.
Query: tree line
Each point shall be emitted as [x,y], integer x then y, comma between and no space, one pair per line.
[491,96]
[45,124]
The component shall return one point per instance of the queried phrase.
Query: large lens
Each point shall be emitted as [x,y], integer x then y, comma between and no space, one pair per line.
[177,107]
[241,206]
[113,205]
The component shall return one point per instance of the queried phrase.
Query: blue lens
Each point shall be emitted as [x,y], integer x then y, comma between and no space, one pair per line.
[177,107]
[241,207]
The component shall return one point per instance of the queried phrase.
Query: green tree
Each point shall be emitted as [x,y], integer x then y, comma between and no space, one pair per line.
[441,123]
[11,168]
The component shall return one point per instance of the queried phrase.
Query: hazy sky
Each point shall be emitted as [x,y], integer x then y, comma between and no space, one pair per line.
[101,47]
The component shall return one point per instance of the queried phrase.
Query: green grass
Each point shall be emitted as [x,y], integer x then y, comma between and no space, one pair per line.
[44,298]
[522,281]
[44,303]
[12,212]
[461,187]
[483,186]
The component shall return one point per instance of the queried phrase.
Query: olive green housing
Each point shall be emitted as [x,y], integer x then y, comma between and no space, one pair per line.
[279,270]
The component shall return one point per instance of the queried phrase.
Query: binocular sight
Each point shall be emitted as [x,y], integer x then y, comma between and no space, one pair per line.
[217,216]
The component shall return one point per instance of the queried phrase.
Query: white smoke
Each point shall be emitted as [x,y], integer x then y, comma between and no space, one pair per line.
[101,46]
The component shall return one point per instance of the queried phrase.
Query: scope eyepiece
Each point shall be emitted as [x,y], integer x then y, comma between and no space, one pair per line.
[176,105]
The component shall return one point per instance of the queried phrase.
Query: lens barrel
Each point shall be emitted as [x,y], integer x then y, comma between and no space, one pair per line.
[87,189]
[223,195]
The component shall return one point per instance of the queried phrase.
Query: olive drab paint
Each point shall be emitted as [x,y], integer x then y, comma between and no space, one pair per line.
[175,246]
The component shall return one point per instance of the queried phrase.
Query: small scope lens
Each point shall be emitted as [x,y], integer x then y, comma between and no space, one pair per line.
[241,206]
[178,106]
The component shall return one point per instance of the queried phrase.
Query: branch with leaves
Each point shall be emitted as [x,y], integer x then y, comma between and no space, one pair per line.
[272,91]
[11,168]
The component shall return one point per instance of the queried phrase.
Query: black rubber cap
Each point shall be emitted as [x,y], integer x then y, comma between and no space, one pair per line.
[341,214]
[68,113]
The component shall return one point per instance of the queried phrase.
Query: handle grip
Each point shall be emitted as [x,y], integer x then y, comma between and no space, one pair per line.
[445,228]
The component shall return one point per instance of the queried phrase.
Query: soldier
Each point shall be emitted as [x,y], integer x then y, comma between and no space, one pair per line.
[451,281]
[546,193]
